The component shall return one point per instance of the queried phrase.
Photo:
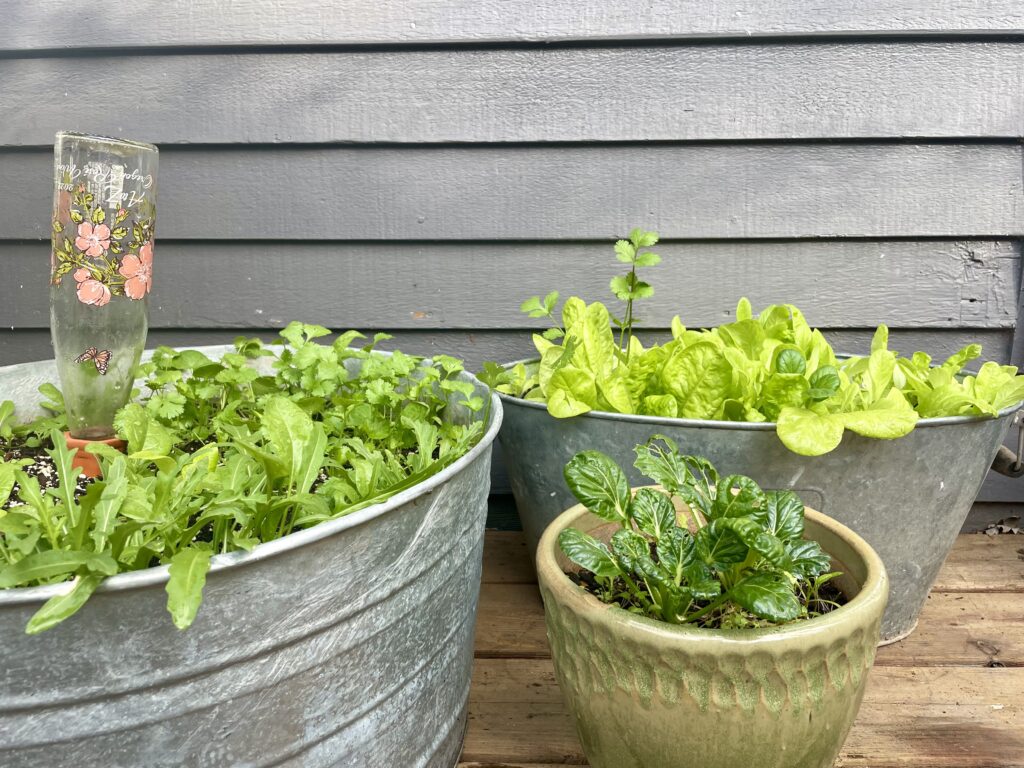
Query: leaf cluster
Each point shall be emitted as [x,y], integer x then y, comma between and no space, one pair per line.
[772,367]
[225,454]
[731,556]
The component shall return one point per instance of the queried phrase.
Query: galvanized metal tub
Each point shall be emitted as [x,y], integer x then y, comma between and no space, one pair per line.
[908,497]
[348,644]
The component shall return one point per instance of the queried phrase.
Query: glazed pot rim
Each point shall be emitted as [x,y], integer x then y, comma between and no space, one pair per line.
[147,577]
[751,426]
[871,596]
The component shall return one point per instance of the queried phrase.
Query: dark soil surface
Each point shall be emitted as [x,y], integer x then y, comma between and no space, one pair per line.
[42,469]
[829,598]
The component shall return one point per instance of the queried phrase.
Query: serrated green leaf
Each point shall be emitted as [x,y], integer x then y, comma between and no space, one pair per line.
[533,307]
[642,239]
[621,287]
[625,251]
[642,290]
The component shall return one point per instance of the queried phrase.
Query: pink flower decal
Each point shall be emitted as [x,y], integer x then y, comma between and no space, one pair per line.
[139,272]
[94,240]
[91,291]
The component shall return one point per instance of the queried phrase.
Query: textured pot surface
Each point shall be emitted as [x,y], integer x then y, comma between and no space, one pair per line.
[908,497]
[645,694]
[347,644]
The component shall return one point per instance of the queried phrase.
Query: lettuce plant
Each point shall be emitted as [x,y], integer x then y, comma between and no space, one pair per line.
[223,455]
[772,367]
[733,556]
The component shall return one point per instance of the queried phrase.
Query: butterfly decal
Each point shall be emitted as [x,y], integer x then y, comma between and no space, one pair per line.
[101,357]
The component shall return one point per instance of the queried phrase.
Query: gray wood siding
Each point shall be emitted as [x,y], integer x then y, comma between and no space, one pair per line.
[940,284]
[421,167]
[708,92]
[785,190]
[158,23]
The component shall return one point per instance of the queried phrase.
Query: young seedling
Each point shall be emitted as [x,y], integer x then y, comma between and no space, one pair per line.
[735,558]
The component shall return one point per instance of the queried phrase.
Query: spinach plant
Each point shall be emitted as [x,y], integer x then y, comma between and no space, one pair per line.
[223,455]
[733,556]
[772,367]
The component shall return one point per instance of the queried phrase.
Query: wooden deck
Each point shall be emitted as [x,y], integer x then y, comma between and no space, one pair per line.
[949,696]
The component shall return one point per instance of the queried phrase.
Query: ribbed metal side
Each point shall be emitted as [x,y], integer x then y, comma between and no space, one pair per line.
[908,497]
[349,644]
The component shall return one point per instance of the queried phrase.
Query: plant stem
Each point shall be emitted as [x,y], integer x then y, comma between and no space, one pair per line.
[706,609]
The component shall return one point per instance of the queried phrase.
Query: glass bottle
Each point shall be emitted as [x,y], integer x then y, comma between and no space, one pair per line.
[101,272]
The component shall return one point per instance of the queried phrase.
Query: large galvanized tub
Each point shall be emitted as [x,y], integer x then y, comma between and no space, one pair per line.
[347,644]
[908,497]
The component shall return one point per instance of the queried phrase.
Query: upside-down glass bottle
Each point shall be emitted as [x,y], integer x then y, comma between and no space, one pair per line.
[101,272]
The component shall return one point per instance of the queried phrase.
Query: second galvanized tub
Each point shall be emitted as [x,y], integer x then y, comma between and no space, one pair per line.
[347,644]
[908,497]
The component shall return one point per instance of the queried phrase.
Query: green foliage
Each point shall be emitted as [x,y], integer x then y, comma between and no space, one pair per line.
[734,557]
[225,454]
[772,367]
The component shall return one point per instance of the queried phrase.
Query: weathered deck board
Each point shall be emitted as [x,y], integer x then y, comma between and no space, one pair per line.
[728,92]
[929,284]
[937,717]
[57,25]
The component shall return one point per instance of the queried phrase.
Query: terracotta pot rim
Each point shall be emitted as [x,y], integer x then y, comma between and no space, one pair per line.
[869,602]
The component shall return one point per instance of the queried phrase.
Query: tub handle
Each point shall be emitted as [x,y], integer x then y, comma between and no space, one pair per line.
[1006,462]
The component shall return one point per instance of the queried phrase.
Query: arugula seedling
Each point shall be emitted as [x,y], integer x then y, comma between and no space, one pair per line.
[223,455]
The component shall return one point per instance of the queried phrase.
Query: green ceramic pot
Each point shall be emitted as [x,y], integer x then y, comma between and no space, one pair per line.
[645,694]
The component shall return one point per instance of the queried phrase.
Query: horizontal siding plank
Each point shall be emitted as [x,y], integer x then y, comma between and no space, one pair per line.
[147,23]
[933,89]
[480,286]
[18,346]
[563,192]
